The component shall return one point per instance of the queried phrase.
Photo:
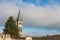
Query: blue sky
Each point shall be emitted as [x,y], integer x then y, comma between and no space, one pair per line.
[39,16]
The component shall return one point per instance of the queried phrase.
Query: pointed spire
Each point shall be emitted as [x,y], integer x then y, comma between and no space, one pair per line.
[19,16]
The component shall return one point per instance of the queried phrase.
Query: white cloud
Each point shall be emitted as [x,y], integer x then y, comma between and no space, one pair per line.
[41,15]
[6,10]
[32,14]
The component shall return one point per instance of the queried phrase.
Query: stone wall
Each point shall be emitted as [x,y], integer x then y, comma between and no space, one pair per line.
[5,37]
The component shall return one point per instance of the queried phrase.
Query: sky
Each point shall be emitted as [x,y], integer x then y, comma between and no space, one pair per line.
[41,17]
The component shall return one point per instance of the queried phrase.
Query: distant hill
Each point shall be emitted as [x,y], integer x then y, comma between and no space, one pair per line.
[55,37]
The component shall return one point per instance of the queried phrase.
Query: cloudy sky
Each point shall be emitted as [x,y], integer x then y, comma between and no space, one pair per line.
[40,17]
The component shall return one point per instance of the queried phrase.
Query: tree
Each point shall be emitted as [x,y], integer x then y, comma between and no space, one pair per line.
[11,28]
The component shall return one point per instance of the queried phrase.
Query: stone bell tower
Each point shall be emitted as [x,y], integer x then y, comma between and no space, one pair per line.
[19,24]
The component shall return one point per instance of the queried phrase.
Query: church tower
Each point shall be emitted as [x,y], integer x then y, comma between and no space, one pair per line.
[19,24]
